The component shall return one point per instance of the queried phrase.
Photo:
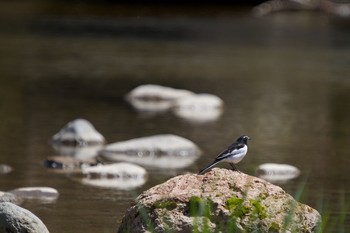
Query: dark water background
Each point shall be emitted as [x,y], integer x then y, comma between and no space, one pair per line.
[284,78]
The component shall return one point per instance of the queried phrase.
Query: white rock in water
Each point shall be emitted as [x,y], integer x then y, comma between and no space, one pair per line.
[45,194]
[4,169]
[157,92]
[78,152]
[161,151]
[277,173]
[79,132]
[118,175]
[200,107]
[155,97]
[68,163]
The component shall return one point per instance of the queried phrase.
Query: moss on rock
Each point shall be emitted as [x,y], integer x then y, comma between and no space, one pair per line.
[219,201]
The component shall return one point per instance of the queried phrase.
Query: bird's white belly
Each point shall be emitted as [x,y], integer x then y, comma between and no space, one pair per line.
[237,155]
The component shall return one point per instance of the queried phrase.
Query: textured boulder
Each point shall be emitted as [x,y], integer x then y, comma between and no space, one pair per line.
[78,152]
[220,200]
[16,219]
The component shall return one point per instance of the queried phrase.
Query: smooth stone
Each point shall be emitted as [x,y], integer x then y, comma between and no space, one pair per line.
[160,151]
[4,169]
[17,219]
[155,98]
[158,106]
[79,132]
[277,173]
[10,197]
[44,194]
[123,176]
[219,201]
[199,107]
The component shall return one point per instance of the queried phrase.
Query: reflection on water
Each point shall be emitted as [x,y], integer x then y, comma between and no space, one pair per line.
[283,79]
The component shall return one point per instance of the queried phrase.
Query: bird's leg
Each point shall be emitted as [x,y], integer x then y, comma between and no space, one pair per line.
[234,167]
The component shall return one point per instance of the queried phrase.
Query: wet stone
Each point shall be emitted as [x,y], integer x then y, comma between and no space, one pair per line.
[68,163]
[79,132]
[4,169]
[45,194]
[123,176]
[155,98]
[199,107]
[163,151]
[277,173]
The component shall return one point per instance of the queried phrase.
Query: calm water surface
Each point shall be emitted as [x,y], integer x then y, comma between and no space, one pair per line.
[284,78]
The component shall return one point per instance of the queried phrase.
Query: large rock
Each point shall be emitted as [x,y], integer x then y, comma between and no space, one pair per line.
[16,219]
[220,200]
[161,151]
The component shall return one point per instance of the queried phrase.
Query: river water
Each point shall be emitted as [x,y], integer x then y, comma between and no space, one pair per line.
[284,79]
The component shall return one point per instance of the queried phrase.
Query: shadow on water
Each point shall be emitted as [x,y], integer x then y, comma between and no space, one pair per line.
[283,78]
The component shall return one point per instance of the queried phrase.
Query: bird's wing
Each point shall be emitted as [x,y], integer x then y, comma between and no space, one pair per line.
[229,151]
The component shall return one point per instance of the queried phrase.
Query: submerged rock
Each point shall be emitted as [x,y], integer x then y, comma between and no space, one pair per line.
[78,152]
[45,194]
[199,107]
[118,175]
[4,169]
[220,200]
[277,173]
[79,132]
[16,219]
[332,7]
[68,163]
[155,97]
[162,151]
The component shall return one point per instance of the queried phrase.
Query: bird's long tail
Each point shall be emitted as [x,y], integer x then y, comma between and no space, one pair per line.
[208,167]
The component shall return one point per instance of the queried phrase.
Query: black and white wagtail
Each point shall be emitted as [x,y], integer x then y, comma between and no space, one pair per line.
[233,154]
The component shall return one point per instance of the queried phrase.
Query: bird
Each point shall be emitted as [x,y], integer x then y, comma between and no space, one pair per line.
[233,154]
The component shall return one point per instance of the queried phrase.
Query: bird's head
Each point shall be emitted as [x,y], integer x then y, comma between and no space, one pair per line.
[243,138]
